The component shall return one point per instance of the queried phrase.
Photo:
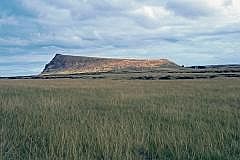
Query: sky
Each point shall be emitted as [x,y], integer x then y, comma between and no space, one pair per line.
[188,32]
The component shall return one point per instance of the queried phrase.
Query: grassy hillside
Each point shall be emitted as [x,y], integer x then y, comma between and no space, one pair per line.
[119,120]
[67,64]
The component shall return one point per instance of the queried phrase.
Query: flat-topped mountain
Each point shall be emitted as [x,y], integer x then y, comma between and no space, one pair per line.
[66,64]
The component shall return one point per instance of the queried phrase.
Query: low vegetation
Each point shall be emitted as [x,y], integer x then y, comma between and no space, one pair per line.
[119,119]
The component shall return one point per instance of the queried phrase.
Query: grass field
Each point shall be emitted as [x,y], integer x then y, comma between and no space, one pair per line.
[119,120]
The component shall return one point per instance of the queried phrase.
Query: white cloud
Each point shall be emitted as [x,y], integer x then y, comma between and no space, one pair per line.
[47,13]
[152,12]
[205,29]
[8,20]
[26,58]
[13,42]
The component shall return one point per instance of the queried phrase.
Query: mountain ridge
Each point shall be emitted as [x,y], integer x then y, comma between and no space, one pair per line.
[68,64]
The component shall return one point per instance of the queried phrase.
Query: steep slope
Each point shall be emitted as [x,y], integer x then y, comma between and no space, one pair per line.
[66,64]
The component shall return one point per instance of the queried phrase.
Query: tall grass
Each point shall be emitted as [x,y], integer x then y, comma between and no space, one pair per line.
[119,120]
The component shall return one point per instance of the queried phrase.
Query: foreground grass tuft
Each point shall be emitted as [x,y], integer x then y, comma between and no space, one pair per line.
[119,120]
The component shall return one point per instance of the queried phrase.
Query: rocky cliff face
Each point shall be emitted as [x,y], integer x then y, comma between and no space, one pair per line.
[66,64]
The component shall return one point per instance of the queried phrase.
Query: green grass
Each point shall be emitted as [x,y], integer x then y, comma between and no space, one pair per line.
[119,120]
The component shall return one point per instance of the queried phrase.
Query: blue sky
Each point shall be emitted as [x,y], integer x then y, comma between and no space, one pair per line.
[189,32]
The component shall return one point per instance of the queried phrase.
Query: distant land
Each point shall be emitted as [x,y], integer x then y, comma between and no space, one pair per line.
[67,64]
[81,67]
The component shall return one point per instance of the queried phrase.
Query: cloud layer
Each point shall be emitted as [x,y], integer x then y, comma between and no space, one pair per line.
[186,31]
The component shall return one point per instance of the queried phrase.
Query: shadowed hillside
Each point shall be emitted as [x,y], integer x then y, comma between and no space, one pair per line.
[66,64]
